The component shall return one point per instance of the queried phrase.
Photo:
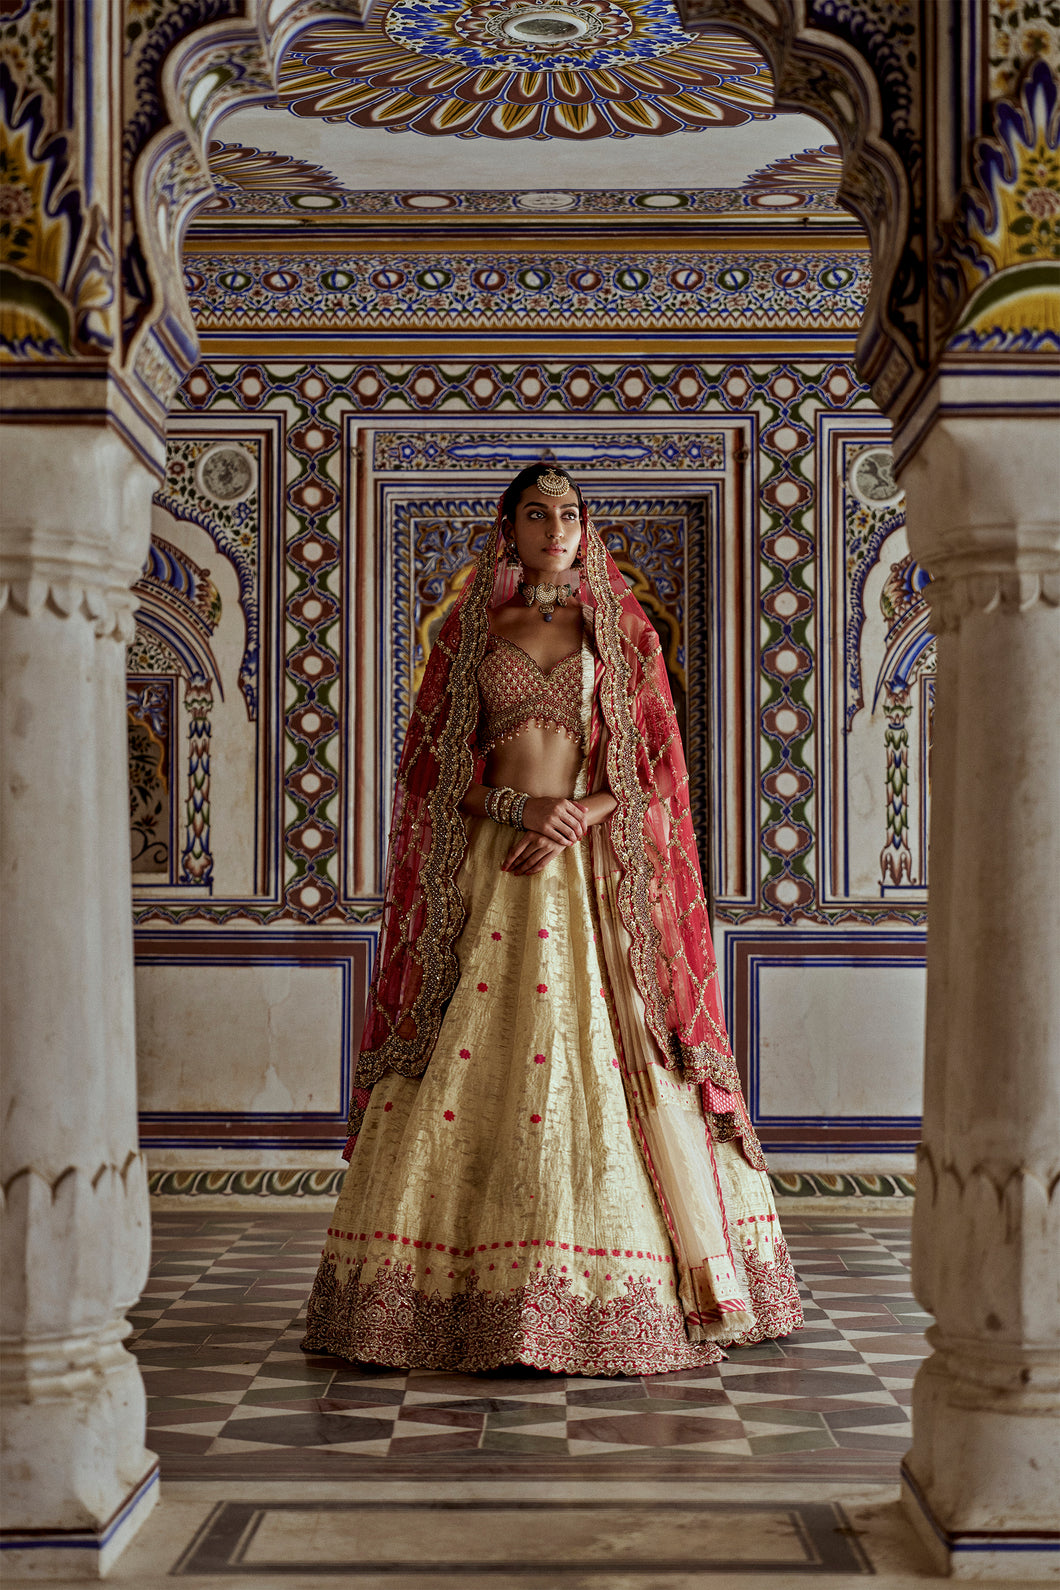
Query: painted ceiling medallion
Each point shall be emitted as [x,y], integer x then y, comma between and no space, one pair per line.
[534,35]
[526,69]
[545,27]
[540,31]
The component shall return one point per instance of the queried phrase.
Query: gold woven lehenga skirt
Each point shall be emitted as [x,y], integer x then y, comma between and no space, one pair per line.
[499,1210]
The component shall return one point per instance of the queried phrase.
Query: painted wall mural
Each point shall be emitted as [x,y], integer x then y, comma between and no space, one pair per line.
[1006,236]
[200,604]
[741,497]
[57,299]
[480,296]
[179,609]
[152,808]
[213,484]
[1019,33]
[581,449]
[875,683]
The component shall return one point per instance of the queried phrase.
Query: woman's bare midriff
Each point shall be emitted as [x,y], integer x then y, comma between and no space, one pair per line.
[538,761]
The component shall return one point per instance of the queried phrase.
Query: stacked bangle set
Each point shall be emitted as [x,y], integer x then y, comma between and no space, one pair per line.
[507,806]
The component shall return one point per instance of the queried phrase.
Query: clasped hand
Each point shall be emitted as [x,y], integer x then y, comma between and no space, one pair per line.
[551,825]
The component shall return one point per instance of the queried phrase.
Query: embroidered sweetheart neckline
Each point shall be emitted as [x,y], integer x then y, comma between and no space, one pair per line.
[546,673]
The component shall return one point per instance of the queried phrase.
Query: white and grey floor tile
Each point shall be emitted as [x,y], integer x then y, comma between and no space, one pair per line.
[775,1470]
[231,1394]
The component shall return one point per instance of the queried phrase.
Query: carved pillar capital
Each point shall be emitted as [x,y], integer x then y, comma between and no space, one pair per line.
[981,498]
[69,578]
[958,591]
[72,539]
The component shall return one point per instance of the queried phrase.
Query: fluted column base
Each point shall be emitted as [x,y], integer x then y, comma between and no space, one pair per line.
[72,1406]
[979,1485]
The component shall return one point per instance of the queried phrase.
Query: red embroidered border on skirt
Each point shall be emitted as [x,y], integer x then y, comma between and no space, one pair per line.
[774,1293]
[541,1323]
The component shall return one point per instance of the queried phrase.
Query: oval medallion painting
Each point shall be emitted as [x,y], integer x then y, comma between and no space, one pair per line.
[871,478]
[226,473]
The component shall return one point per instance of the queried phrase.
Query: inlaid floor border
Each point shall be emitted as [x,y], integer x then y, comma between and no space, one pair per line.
[821,1531]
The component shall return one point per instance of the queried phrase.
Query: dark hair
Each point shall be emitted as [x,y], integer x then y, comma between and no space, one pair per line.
[529,477]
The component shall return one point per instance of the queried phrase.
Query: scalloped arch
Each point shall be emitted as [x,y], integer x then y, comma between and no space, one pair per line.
[852,63]
[183,75]
[856,68]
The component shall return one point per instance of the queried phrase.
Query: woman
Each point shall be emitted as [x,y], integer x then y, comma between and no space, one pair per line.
[572,1181]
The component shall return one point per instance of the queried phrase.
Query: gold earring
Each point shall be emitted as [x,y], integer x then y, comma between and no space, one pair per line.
[511,555]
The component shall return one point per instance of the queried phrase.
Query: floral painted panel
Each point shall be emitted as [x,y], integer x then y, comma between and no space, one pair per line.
[152,816]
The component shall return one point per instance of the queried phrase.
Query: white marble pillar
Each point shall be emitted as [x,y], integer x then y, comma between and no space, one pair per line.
[77,1478]
[981,1479]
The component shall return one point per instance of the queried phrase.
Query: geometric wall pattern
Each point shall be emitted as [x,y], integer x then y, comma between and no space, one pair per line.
[308,191]
[782,402]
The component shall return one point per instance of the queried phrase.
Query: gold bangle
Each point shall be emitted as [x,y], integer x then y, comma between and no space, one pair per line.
[505,806]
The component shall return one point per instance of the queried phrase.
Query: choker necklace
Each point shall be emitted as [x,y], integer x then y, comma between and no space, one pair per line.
[548,597]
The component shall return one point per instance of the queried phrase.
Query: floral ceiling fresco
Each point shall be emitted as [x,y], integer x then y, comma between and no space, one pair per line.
[580,69]
[812,168]
[264,171]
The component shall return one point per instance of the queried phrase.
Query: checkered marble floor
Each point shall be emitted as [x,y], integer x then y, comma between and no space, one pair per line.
[230,1396]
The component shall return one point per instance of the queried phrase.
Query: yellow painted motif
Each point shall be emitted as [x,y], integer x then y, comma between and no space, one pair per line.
[32,254]
[1022,249]
[433,619]
[1028,211]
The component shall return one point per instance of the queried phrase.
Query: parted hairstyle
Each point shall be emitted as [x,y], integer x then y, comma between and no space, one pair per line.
[529,477]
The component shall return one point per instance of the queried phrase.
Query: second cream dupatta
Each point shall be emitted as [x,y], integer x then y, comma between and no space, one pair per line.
[674,1137]
[668,1114]
[681,1078]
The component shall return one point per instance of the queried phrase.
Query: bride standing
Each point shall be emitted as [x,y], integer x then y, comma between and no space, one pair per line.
[551,1162]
